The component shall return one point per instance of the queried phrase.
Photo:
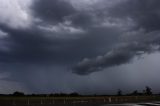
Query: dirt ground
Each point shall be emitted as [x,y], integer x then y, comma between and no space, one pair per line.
[73,101]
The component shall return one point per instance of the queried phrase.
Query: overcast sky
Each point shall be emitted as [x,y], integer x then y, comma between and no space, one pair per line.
[85,46]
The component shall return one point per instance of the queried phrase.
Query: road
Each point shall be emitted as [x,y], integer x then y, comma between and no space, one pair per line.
[135,104]
[125,104]
[80,101]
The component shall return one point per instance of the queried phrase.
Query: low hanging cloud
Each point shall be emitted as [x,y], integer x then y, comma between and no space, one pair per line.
[142,35]
[46,38]
[144,12]
[141,43]
[52,12]
[112,58]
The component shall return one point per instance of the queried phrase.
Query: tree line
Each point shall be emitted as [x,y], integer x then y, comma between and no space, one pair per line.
[146,91]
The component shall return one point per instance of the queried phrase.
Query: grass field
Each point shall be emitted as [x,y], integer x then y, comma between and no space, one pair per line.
[73,101]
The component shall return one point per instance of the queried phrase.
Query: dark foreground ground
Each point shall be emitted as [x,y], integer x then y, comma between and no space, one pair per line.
[81,101]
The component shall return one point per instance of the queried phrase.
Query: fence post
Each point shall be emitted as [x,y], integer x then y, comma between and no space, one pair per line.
[13,102]
[109,99]
[41,102]
[28,102]
[53,101]
[64,101]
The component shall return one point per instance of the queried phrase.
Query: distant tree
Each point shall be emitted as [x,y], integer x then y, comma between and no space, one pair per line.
[17,93]
[74,94]
[144,92]
[56,94]
[33,94]
[135,92]
[119,92]
[148,91]
[51,94]
[62,94]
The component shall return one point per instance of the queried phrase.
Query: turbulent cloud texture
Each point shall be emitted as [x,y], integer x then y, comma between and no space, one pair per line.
[15,14]
[143,37]
[75,39]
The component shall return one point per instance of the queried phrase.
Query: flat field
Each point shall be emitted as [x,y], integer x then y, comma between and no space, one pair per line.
[74,101]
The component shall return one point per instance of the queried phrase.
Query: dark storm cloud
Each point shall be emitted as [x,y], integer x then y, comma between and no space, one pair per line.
[59,35]
[146,15]
[122,54]
[82,19]
[31,45]
[119,56]
[52,10]
[59,11]
[34,45]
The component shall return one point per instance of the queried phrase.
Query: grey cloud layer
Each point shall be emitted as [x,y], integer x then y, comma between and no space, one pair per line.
[89,39]
[35,44]
[144,12]
[52,11]
[142,38]
[104,30]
